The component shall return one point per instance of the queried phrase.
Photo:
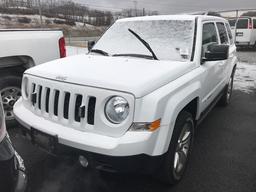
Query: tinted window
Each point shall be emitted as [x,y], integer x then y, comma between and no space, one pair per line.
[209,34]
[223,33]
[232,22]
[230,34]
[242,24]
[254,23]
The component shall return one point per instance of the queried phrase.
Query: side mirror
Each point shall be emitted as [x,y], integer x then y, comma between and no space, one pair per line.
[90,45]
[216,52]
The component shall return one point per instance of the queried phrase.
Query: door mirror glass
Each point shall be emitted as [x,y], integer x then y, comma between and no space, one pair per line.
[90,45]
[216,52]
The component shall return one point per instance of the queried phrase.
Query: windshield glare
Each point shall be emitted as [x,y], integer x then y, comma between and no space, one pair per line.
[169,39]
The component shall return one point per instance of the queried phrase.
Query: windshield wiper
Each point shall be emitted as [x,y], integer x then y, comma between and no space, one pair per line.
[144,43]
[134,55]
[99,51]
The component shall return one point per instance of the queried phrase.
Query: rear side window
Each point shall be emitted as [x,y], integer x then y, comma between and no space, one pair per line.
[232,22]
[229,34]
[223,33]
[242,24]
[209,34]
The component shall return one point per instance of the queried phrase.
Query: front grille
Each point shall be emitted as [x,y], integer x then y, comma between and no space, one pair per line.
[61,104]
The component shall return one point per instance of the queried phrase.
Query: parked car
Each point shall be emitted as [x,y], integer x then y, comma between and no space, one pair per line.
[132,103]
[20,50]
[232,23]
[246,32]
[12,170]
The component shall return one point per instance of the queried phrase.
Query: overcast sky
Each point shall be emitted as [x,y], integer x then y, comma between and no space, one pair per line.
[170,6]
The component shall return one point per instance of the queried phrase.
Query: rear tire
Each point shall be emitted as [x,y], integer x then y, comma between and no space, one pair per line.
[10,91]
[179,150]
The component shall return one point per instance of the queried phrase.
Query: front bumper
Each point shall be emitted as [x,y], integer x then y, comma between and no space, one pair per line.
[129,144]
[134,163]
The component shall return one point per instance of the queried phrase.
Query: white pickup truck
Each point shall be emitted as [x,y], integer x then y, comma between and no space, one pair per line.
[134,101]
[20,50]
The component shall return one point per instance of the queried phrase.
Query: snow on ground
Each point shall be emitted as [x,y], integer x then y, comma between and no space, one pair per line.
[76,50]
[245,77]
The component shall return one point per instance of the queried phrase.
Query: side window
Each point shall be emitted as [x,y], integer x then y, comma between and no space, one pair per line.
[254,23]
[223,33]
[209,34]
[232,22]
[230,34]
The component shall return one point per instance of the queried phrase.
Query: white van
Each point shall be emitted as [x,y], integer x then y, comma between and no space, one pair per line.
[246,32]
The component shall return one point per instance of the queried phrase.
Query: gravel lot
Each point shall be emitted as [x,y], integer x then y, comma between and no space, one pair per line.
[223,157]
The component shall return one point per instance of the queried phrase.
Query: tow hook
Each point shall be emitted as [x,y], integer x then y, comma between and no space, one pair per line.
[83,161]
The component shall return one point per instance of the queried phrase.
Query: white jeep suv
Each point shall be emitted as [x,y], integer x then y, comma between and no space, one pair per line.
[134,101]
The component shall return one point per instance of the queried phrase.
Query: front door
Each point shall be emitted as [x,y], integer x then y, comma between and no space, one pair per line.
[213,69]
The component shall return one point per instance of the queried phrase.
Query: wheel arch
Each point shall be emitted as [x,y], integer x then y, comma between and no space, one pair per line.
[187,99]
[18,63]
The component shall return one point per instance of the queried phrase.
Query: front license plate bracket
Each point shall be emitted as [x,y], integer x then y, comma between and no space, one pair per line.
[45,141]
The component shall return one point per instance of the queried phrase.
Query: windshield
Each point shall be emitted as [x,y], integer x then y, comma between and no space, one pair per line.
[169,39]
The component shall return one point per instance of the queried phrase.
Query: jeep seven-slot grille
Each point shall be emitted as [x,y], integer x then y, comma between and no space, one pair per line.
[63,104]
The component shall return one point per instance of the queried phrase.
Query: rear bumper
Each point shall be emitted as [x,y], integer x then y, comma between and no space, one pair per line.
[243,44]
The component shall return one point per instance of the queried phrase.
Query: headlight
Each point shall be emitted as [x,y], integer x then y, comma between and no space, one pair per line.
[117,109]
[25,87]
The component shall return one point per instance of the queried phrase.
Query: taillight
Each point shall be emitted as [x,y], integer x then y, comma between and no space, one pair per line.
[62,47]
[250,26]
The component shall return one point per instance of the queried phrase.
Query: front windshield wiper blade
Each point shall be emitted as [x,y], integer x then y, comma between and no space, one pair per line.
[144,43]
[99,51]
[134,55]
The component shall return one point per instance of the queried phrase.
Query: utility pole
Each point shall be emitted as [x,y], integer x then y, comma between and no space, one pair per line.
[40,13]
[135,7]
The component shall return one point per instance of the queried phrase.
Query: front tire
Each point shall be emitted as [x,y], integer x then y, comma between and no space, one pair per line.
[179,149]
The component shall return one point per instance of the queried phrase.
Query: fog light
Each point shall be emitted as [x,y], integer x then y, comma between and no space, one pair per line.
[83,161]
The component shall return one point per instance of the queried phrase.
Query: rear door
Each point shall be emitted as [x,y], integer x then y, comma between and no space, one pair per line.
[224,40]
[243,33]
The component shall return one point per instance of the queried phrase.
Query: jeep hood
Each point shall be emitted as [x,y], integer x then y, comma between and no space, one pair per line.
[132,75]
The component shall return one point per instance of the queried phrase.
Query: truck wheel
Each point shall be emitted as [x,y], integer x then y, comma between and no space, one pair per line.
[226,98]
[10,91]
[179,149]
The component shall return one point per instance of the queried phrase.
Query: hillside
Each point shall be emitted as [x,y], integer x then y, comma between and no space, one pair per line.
[70,28]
